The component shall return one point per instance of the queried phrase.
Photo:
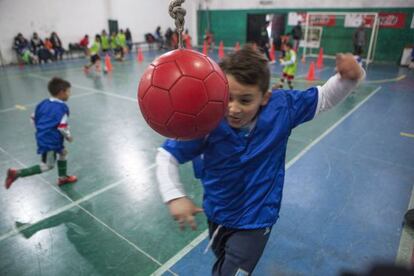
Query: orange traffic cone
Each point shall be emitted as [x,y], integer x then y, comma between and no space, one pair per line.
[108,64]
[311,72]
[319,61]
[205,48]
[140,56]
[237,47]
[221,50]
[272,53]
[187,42]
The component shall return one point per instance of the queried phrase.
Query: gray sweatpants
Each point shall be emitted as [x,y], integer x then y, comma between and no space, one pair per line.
[237,251]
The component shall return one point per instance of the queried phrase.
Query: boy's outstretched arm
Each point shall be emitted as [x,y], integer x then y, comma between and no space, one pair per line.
[338,87]
[182,209]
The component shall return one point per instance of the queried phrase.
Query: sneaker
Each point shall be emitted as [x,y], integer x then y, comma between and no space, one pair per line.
[67,179]
[11,177]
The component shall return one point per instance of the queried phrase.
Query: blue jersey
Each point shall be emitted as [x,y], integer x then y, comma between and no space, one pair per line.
[243,174]
[48,115]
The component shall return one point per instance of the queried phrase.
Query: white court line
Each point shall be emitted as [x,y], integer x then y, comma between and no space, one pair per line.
[92,92]
[72,85]
[120,96]
[329,130]
[90,89]
[166,266]
[74,203]
[97,91]
[33,104]
[59,210]
[24,74]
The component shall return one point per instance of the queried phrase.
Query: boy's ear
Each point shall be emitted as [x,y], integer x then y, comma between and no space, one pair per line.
[266,98]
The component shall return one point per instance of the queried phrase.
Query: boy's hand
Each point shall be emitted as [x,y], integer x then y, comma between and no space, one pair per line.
[183,210]
[348,67]
[69,139]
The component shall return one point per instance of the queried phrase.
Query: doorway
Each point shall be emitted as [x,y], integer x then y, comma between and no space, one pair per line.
[254,23]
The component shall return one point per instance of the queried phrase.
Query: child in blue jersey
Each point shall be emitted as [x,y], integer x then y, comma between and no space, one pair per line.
[51,122]
[241,163]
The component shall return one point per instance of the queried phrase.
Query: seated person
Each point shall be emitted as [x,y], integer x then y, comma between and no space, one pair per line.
[36,43]
[159,38]
[20,43]
[22,48]
[38,49]
[57,46]
[83,44]
[49,46]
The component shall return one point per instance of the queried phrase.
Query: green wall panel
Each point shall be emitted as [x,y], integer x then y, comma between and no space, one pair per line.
[230,26]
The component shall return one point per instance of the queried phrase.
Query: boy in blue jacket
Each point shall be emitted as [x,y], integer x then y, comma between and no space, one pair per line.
[241,163]
[51,122]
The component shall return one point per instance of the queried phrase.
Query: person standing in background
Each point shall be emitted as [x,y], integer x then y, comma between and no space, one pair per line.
[104,41]
[358,40]
[159,38]
[128,38]
[297,35]
[264,40]
[57,45]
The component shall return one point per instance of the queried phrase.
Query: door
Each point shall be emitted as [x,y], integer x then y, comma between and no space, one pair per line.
[113,26]
[278,25]
[254,24]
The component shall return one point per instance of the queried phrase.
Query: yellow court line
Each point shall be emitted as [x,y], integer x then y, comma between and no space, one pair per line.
[20,107]
[405,134]
[387,80]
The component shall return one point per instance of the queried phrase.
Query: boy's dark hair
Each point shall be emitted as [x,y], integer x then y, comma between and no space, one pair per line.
[248,66]
[56,85]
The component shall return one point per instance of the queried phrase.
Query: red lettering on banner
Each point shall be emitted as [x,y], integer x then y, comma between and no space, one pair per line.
[392,20]
[386,20]
[322,20]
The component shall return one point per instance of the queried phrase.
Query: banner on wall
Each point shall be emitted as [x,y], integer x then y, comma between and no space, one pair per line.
[355,20]
[314,20]
[386,20]
[295,17]
[322,20]
[392,20]
[313,39]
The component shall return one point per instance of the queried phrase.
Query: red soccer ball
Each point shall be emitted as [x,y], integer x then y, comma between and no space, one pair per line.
[183,94]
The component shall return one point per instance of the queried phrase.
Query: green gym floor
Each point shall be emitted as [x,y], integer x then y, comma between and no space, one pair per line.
[112,221]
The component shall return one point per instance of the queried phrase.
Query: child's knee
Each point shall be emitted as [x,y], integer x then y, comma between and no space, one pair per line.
[63,154]
[46,167]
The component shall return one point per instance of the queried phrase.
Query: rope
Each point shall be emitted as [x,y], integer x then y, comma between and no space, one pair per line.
[177,13]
